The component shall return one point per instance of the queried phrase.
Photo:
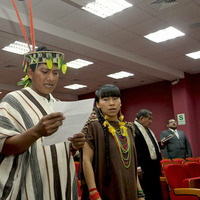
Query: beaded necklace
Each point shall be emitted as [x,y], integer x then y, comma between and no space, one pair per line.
[121,136]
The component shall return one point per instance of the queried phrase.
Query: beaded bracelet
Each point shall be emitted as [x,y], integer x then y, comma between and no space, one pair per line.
[94,196]
[141,194]
[92,189]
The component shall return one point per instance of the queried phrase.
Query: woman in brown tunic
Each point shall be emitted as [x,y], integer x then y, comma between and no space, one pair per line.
[109,158]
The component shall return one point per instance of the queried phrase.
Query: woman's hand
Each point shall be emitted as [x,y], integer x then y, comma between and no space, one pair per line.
[78,140]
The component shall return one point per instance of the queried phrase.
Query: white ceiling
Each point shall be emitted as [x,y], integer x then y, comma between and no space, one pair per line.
[114,44]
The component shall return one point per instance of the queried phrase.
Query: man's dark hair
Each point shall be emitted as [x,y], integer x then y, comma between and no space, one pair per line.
[169,120]
[41,48]
[143,113]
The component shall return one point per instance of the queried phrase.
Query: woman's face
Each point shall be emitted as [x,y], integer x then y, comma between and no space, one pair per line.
[44,80]
[110,106]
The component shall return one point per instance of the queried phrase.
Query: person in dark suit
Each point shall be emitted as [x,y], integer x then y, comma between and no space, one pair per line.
[149,155]
[178,146]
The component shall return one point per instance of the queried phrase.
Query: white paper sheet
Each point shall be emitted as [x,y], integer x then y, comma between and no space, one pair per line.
[76,113]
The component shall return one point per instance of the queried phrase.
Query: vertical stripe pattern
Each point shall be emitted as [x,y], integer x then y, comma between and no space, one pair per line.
[42,172]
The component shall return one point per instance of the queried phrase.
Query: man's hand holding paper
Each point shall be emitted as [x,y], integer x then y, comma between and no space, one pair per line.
[76,114]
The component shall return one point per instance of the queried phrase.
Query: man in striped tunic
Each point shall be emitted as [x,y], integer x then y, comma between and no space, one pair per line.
[29,170]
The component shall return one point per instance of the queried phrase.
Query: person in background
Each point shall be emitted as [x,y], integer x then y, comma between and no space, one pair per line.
[94,113]
[149,155]
[109,163]
[28,169]
[178,146]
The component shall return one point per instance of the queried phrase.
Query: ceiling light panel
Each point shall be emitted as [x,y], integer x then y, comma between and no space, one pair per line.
[75,86]
[120,75]
[17,47]
[194,55]
[79,63]
[105,8]
[164,34]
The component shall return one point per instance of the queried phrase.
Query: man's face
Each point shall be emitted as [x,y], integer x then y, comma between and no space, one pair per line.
[172,124]
[44,80]
[93,115]
[146,121]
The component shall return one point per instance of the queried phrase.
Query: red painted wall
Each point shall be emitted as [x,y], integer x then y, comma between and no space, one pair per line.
[155,97]
[195,89]
[183,96]
[196,95]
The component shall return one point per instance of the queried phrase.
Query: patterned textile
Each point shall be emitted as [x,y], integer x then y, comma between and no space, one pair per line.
[150,145]
[41,172]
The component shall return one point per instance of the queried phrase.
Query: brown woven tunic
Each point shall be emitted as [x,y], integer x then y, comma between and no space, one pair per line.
[123,184]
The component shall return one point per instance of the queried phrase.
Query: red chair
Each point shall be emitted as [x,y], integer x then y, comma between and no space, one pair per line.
[164,188]
[192,169]
[180,160]
[179,183]
[163,180]
[192,159]
[162,162]
[165,160]
[198,158]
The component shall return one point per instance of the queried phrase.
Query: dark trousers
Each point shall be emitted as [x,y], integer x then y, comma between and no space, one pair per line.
[151,186]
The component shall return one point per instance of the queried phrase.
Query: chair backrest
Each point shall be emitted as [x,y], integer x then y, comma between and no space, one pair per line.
[192,169]
[175,174]
[162,162]
[192,159]
[180,160]
[198,158]
[165,160]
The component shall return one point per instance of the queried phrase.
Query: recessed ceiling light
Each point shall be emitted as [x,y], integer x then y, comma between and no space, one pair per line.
[75,86]
[120,75]
[18,48]
[0,92]
[105,8]
[79,63]
[194,55]
[164,34]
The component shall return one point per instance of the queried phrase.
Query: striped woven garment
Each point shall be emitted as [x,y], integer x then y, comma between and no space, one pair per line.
[41,172]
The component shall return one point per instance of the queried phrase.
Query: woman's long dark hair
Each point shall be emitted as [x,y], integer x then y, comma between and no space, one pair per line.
[106,91]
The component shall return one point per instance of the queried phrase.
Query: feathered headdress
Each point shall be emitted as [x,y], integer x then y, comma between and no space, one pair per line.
[37,57]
